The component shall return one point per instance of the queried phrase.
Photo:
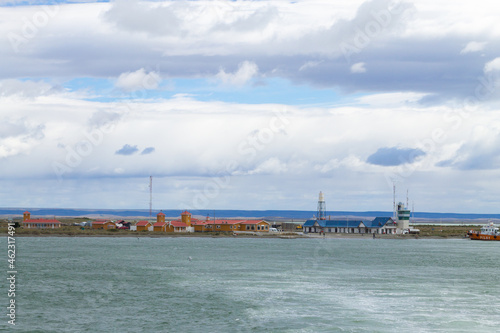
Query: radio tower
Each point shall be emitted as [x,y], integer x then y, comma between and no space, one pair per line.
[321,215]
[150,196]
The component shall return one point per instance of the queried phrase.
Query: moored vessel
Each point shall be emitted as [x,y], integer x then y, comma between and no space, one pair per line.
[488,232]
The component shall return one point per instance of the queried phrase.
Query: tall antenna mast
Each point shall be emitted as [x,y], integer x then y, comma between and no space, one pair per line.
[412,210]
[150,196]
[393,199]
[406,198]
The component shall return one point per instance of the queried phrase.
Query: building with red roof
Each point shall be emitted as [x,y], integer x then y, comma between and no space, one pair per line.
[103,224]
[160,226]
[226,225]
[177,226]
[186,218]
[143,225]
[30,223]
[255,225]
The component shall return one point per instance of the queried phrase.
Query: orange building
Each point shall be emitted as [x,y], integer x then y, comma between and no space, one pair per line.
[226,225]
[160,224]
[176,226]
[143,225]
[26,216]
[30,223]
[186,218]
[219,225]
[255,225]
[199,225]
[103,224]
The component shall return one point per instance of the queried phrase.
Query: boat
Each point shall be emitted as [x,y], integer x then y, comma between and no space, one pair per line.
[488,232]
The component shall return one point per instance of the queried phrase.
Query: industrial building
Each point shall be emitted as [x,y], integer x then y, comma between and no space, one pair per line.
[380,225]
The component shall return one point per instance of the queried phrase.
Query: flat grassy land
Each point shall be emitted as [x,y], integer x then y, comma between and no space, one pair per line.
[444,231]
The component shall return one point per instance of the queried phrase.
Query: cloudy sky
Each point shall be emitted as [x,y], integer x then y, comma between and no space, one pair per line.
[250,104]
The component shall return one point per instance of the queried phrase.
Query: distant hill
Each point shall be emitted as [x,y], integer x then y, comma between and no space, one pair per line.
[264,214]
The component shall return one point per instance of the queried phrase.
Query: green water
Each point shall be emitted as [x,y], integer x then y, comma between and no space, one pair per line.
[254,285]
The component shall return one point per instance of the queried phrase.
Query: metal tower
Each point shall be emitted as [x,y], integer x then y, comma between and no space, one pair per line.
[150,196]
[321,215]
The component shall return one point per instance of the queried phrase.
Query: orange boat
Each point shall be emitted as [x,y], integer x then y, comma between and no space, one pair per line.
[488,232]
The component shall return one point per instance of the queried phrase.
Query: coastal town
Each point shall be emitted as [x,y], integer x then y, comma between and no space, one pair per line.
[320,224]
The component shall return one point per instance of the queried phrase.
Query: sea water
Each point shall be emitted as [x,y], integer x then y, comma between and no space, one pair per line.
[130,284]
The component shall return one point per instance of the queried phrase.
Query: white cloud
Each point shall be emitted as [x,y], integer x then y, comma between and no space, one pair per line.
[318,146]
[138,80]
[493,65]
[309,64]
[391,99]
[412,54]
[270,166]
[246,71]
[27,89]
[473,47]
[358,68]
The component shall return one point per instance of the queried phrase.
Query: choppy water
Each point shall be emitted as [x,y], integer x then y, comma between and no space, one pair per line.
[255,285]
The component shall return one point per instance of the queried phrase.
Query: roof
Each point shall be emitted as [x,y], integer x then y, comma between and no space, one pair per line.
[185,213]
[333,223]
[379,222]
[160,213]
[101,222]
[253,222]
[309,223]
[41,221]
[178,224]
[142,223]
[26,212]
[224,221]
[159,224]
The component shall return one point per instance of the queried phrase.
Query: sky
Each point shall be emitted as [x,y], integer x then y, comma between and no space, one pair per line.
[250,104]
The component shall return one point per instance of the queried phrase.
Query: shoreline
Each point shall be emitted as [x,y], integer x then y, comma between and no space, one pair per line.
[267,236]
[426,232]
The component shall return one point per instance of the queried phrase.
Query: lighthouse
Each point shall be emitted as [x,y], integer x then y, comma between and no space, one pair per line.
[321,214]
[403,217]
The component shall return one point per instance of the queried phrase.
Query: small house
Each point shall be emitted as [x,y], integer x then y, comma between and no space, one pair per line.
[103,224]
[254,225]
[143,226]
[160,226]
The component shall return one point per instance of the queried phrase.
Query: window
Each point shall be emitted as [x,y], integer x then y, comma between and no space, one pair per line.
[267,227]
[258,227]
[248,227]
[218,226]
[253,227]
